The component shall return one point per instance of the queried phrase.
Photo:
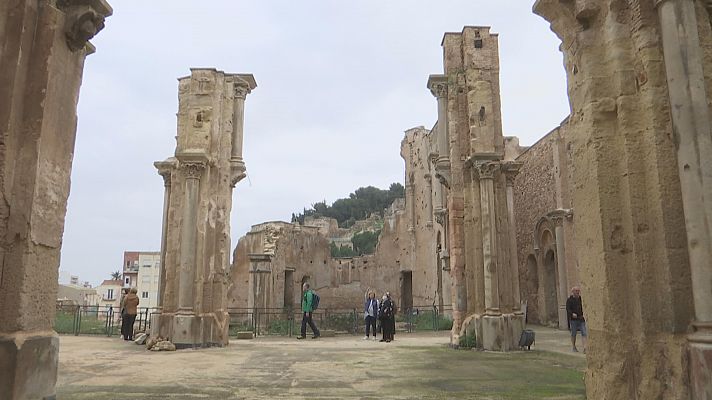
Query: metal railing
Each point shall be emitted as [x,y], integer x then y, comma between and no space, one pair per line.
[287,321]
[97,320]
[425,318]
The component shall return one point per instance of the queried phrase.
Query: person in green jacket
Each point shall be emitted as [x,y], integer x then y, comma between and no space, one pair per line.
[307,309]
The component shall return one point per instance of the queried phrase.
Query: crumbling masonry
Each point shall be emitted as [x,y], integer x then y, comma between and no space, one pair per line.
[195,246]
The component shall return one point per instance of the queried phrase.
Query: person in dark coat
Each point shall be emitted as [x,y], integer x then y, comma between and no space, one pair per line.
[385,313]
[574,314]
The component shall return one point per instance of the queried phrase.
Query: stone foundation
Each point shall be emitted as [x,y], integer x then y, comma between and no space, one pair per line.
[194,331]
[29,365]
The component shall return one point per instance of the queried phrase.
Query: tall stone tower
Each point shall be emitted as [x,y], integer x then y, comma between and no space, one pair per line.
[195,246]
[480,219]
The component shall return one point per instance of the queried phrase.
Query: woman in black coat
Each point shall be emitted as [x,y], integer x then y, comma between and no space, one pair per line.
[385,313]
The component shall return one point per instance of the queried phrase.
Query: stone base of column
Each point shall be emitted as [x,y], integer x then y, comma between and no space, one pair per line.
[701,364]
[28,362]
[155,324]
[194,331]
[495,332]
[563,318]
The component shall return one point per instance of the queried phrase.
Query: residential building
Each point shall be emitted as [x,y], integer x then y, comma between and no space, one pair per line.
[142,270]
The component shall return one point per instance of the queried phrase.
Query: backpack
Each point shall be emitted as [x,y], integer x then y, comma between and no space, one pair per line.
[526,339]
[315,300]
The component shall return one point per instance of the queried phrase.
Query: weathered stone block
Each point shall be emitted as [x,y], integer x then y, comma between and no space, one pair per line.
[28,366]
[245,335]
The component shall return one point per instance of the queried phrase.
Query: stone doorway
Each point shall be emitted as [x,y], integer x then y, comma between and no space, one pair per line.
[406,286]
[551,312]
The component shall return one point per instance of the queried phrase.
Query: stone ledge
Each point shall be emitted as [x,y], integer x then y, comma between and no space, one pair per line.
[245,335]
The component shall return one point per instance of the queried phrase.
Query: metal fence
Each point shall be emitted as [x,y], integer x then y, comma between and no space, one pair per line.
[106,320]
[287,322]
[425,318]
[97,320]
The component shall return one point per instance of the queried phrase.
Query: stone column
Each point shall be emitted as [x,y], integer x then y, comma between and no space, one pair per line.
[439,88]
[410,203]
[429,200]
[557,217]
[189,234]
[237,164]
[44,45]
[164,169]
[691,126]
[486,171]
[511,169]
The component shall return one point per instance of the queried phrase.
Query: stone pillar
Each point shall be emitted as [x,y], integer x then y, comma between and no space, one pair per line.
[241,89]
[558,217]
[197,245]
[192,169]
[691,126]
[44,45]
[439,88]
[429,200]
[410,203]
[486,171]
[511,169]
[630,226]
[165,169]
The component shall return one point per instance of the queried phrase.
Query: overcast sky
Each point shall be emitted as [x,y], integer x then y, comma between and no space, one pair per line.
[338,84]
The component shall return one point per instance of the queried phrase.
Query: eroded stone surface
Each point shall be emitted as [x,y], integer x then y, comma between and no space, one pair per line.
[199,181]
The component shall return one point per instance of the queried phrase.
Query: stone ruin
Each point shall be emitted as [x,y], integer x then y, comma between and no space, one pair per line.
[195,243]
[638,139]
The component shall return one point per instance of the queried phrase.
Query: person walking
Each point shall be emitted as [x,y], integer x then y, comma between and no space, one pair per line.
[574,313]
[385,313]
[307,311]
[371,314]
[131,305]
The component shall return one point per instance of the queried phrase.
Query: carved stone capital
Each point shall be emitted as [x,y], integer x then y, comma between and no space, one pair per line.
[193,169]
[85,18]
[442,171]
[511,170]
[557,217]
[237,172]
[428,178]
[486,169]
[165,168]
[241,90]
[438,86]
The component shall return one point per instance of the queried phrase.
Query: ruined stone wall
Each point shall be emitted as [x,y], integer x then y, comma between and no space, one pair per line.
[534,197]
[541,188]
[421,257]
[341,283]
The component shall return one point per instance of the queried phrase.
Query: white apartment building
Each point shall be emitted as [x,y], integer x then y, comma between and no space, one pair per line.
[142,270]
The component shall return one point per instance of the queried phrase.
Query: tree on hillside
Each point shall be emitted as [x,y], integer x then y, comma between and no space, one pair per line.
[359,205]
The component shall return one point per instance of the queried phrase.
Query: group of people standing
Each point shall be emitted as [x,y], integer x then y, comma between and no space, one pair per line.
[380,314]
